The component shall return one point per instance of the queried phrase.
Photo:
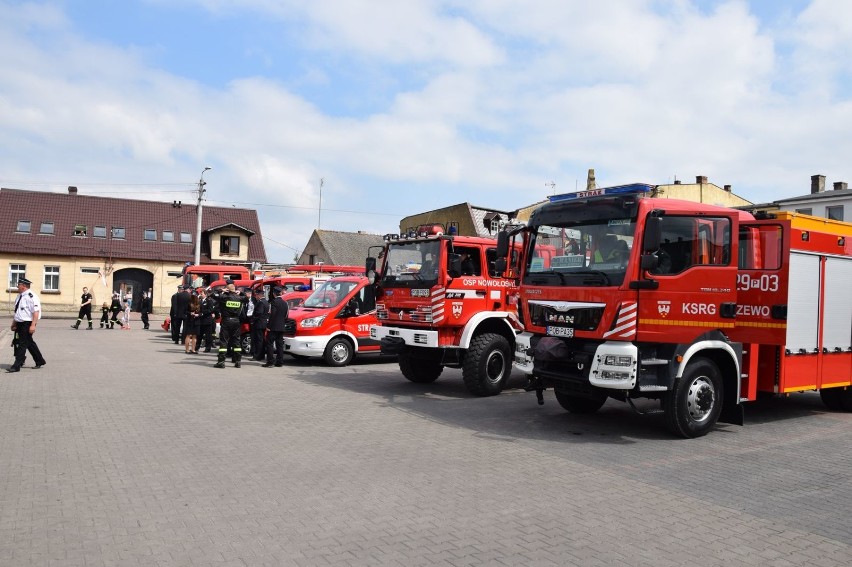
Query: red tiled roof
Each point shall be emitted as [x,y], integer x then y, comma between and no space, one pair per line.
[66,210]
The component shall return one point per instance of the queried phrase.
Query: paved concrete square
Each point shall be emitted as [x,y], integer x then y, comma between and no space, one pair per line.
[123,450]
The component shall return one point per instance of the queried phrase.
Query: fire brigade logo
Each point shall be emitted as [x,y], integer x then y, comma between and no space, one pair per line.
[663,307]
[457,309]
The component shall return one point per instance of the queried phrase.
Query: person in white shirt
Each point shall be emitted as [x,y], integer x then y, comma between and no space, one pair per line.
[24,323]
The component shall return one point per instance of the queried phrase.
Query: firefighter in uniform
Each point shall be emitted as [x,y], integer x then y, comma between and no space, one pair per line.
[85,309]
[24,322]
[231,306]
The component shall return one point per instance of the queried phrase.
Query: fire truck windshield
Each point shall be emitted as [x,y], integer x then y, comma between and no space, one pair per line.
[412,263]
[594,252]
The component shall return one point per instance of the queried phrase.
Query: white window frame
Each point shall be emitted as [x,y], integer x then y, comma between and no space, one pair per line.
[16,272]
[834,209]
[51,278]
[23,224]
[46,224]
[186,238]
[168,236]
[150,232]
[118,232]
[99,231]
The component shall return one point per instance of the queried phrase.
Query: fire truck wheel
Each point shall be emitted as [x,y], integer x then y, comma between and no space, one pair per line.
[339,352]
[831,397]
[693,406]
[419,371]
[245,343]
[579,404]
[487,364]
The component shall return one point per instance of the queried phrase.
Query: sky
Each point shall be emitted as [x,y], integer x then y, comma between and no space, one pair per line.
[352,114]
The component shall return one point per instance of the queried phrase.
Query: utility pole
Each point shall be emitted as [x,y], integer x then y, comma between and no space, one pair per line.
[319,214]
[201,184]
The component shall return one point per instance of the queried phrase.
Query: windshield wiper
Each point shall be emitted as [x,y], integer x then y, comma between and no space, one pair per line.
[549,273]
[600,274]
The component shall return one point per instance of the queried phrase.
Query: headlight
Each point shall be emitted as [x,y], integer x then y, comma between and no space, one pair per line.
[618,360]
[312,322]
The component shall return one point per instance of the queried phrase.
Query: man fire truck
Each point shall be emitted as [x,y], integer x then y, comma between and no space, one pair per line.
[440,303]
[698,306]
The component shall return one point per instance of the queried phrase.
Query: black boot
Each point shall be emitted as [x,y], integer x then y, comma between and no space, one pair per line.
[77,324]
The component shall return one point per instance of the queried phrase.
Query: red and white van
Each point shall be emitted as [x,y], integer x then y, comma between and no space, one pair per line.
[334,322]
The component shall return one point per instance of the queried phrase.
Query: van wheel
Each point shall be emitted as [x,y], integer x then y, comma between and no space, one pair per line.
[487,364]
[418,370]
[579,404]
[693,406]
[339,352]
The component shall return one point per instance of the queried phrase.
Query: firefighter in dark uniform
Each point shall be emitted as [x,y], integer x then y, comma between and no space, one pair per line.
[259,319]
[231,306]
[115,309]
[24,322]
[85,309]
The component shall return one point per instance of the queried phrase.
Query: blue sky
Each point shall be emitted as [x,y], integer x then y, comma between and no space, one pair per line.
[407,106]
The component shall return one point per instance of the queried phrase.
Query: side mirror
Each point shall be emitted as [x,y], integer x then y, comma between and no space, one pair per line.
[502,244]
[370,270]
[649,262]
[454,265]
[500,266]
[653,234]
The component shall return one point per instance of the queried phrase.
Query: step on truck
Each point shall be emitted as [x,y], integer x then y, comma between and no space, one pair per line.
[700,307]
[439,303]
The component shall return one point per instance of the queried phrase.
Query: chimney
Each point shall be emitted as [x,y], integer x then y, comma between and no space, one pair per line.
[840,185]
[817,184]
[727,188]
[677,182]
[590,180]
[72,190]
[701,179]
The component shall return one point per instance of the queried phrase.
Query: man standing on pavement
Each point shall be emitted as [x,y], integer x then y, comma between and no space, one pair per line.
[275,329]
[144,309]
[24,322]
[85,309]
[208,319]
[179,311]
[231,305]
[259,319]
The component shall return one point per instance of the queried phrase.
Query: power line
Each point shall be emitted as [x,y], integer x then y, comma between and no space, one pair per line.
[308,208]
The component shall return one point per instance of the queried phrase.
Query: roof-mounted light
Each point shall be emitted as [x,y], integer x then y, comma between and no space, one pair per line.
[631,189]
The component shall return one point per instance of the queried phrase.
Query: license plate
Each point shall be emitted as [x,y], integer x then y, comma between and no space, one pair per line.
[560,331]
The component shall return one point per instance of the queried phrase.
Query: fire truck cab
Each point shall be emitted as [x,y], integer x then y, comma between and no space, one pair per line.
[698,306]
[441,303]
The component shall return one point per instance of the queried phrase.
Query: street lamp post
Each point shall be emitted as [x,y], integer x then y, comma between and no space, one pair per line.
[201,184]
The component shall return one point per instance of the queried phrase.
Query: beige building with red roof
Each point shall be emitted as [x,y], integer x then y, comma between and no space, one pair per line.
[65,241]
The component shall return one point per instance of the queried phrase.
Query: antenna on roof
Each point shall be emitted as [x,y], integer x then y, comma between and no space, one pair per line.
[319,214]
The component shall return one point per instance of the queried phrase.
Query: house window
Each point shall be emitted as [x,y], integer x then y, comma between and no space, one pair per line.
[16,272]
[51,278]
[23,226]
[150,234]
[229,245]
[99,232]
[168,236]
[80,230]
[118,232]
[186,238]
[46,228]
[834,213]
[808,211]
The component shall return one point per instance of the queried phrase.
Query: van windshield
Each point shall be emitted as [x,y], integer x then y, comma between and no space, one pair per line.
[330,294]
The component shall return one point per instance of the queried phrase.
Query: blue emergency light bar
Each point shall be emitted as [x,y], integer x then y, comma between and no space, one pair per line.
[633,188]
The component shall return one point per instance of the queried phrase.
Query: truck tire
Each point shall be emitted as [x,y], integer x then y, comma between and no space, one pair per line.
[693,406]
[338,352]
[837,399]
[245,344]
[579,404]
[487,364]
[419,371]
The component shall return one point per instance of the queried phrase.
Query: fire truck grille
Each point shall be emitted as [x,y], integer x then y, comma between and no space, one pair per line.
[584,319]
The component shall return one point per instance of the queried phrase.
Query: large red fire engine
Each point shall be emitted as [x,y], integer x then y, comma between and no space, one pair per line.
[440,303]
[701,307]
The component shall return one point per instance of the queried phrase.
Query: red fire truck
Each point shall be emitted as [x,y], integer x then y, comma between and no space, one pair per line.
[697,306]
[440,303]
